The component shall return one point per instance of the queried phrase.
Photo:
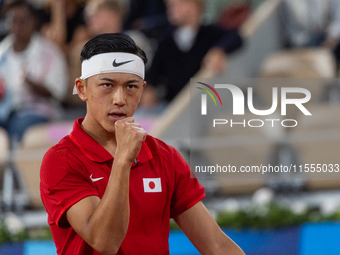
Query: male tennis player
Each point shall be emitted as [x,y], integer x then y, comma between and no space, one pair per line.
[108,187]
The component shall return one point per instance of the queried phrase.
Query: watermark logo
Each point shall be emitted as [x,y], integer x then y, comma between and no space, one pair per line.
[204,97]
[239,105]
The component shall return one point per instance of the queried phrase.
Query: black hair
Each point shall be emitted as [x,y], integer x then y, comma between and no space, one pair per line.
[113,42]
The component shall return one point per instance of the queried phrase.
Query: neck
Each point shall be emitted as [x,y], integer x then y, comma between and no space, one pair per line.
[105,139]
[19,46]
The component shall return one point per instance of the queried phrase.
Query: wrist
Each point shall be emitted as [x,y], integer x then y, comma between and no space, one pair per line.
[124,155]
[123,159]
[121,168]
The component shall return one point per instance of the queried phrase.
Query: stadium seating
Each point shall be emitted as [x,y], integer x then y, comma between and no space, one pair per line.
[300,63]
[314,139]
[28,157]
[317,139]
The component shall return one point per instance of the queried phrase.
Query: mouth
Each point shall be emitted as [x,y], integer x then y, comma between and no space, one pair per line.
[117,115]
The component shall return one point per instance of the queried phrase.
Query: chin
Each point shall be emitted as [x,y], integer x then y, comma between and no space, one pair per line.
[109,129]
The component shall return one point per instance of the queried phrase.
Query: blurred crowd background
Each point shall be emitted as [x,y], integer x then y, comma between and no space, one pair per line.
[179,31]
[40,47]
[42,41]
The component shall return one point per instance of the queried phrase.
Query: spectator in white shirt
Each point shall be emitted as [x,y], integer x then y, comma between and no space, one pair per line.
[33,73]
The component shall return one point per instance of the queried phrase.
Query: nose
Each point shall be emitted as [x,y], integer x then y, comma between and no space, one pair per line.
[119,97]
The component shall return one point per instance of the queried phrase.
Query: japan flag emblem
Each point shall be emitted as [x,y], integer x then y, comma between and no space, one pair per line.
[152,184]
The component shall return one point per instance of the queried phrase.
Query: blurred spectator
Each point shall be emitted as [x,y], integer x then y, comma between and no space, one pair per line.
[190,46]
[99,12]
[33,74]
[148,16]
[312,23]
[234,14]
[67,26]
[213,9]
[103,16]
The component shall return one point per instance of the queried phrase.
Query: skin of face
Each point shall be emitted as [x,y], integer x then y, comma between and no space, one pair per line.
[109,97]
[21,23]
[97,21]
[181,12]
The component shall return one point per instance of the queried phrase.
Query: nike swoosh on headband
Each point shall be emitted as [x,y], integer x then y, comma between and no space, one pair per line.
[115,64]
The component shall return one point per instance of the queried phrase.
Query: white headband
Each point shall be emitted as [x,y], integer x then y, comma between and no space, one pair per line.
[113,62]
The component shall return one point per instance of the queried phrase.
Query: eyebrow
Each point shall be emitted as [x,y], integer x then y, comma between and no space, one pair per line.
[107,79]
[112,80]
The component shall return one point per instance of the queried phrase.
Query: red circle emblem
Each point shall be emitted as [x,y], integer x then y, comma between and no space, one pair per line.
[152,185]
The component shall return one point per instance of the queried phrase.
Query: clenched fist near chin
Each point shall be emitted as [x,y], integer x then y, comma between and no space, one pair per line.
[129,137]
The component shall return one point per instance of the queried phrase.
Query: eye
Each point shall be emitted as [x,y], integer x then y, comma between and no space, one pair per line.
[131,86]
[107,85]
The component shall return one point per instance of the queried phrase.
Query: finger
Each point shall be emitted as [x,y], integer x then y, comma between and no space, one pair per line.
[139,130]
[145,135]
[125,120]
[133,124]
[128,120]
[142,131]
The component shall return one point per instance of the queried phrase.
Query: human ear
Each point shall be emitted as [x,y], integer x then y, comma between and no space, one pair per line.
[81,88]
[140,98]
